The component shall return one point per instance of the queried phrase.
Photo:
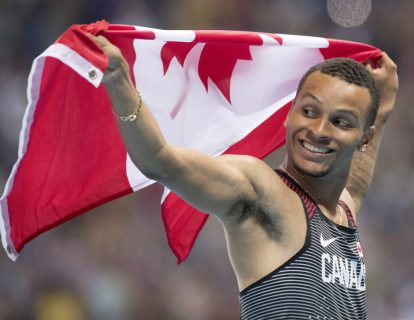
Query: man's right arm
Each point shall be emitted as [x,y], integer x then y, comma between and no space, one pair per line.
[212,185]
[363,164]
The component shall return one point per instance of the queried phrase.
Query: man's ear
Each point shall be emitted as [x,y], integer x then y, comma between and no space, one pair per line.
[368,136]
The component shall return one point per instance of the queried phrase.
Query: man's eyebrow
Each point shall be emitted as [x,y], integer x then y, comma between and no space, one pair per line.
[310,95]
[350,112]
[313,97]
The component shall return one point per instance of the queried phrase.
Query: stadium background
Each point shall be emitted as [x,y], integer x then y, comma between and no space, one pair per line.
[113,262]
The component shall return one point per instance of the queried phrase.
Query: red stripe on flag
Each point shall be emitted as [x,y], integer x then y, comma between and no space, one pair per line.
[358,51]
[76,39]
[182,222]
[43,194]
[121,36]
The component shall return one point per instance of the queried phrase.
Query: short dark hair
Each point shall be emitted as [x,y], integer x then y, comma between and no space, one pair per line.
[352,72]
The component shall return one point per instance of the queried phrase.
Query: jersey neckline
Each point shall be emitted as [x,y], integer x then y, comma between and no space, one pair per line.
[351,228]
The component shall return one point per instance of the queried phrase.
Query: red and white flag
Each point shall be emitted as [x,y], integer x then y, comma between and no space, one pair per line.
[216,91]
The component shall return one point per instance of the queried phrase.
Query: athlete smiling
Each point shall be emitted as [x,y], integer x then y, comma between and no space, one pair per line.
[291,233]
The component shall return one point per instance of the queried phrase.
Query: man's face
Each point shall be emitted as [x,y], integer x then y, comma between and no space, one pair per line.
[326,125]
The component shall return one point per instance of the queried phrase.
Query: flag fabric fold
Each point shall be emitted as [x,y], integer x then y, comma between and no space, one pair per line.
[215,91]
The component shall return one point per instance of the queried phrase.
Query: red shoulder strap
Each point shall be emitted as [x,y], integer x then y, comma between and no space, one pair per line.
[348,212]
[308,202]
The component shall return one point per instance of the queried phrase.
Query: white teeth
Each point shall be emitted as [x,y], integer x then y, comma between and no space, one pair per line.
[315,149]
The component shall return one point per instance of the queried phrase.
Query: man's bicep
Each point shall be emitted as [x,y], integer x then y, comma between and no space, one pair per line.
[211,184]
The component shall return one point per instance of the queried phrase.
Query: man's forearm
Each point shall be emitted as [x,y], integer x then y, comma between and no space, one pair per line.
[142,137]
[363,166]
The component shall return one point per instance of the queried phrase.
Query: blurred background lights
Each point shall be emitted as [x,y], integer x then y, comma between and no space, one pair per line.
[349,13]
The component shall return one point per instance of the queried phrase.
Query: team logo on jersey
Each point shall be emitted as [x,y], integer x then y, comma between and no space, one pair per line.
[326,242]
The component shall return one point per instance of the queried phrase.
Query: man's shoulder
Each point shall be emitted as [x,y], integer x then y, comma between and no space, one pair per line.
[274,197]
[257,170]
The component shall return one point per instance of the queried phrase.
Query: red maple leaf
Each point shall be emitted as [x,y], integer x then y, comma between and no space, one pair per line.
[172,49]
[218,57]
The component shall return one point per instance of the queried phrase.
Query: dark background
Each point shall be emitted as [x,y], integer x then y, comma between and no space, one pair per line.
[114,262]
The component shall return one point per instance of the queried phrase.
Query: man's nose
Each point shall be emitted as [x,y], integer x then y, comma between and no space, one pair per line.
[321,130]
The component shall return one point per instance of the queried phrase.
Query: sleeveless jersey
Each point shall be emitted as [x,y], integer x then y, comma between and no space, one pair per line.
[324,280]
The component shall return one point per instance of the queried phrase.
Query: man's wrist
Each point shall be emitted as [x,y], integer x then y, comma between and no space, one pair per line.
[386,106]
[381,118]
[123,94]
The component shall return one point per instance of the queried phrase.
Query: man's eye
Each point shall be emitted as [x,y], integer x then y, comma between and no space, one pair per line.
[343,123]
[309,112]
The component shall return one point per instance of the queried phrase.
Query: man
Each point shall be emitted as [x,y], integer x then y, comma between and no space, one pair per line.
[291,234]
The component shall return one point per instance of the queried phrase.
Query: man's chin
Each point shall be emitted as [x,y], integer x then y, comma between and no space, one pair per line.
[312,172]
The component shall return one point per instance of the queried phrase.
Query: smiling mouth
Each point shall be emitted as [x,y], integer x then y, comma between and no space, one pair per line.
[315,149]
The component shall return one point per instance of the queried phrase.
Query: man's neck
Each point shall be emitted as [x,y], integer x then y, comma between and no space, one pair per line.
[325,190]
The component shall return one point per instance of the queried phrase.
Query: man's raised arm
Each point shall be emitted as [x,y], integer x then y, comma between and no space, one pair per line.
[213,185]
[363,165]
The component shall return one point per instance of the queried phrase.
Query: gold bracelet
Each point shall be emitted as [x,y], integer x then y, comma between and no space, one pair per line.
[134,115]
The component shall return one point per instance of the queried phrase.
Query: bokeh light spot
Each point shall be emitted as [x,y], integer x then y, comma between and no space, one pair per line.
[349,13]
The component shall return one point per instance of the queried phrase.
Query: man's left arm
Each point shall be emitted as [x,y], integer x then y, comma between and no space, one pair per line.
[363,165]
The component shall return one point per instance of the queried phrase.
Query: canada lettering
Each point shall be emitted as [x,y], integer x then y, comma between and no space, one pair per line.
[348,273]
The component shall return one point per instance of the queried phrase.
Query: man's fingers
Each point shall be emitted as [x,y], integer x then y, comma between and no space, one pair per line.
[385,58]
[384,62]
[115,58]
[368,65]
[386,76]
[99,40]
[388,62]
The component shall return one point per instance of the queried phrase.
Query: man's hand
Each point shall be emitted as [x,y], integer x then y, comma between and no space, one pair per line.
[385,74]
[117,79]
[117,66]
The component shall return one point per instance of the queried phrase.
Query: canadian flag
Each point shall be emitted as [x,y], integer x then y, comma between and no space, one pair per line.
[215,91]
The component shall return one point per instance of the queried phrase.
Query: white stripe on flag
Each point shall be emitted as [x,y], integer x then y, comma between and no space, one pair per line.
[304,41]
[136,178]
[170,35]
[75,61]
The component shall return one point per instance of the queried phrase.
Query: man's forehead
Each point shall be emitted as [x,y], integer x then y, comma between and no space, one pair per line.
[317,76]
[318,83]
[330,90]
